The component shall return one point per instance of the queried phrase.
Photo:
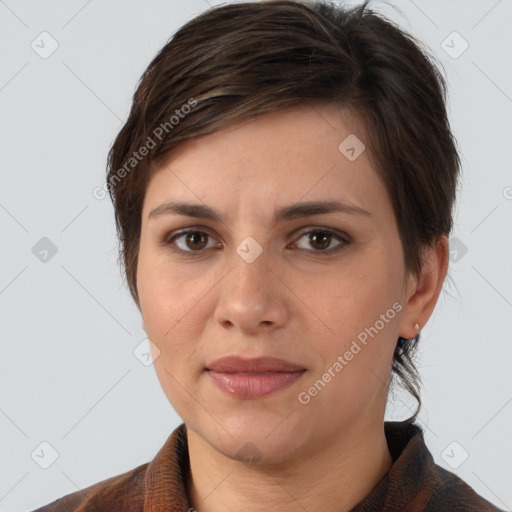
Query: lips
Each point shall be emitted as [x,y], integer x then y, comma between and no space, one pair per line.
[253,378]
[236,364]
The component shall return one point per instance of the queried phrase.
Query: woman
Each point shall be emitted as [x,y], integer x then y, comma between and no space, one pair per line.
[283,191]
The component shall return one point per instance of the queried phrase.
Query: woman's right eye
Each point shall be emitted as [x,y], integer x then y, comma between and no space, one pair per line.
[189,242]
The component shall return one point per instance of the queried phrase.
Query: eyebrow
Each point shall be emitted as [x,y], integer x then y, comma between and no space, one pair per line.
[290,212]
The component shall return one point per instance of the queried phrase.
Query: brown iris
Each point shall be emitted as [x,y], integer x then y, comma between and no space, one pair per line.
[195,238]
[317,235]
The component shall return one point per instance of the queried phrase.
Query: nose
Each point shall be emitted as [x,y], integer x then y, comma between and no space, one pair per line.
[252,297]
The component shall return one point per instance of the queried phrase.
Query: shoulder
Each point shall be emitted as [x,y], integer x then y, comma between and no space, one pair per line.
[451,491]
[416,483]
[120,493]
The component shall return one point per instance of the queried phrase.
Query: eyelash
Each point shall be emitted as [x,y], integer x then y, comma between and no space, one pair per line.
[342,237]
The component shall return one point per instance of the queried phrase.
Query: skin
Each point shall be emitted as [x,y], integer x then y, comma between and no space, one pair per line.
[291,302]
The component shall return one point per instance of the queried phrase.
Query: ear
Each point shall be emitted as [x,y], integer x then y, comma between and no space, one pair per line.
[423,291]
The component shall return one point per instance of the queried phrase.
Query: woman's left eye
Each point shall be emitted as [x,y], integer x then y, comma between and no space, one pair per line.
[321,239]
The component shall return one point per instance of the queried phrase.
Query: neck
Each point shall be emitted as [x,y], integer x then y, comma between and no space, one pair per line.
[336,476]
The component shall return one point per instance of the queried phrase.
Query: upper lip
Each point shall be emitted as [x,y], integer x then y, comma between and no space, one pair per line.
[233,364]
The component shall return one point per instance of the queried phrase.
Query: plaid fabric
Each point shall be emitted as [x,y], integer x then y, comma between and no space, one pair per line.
[414,482]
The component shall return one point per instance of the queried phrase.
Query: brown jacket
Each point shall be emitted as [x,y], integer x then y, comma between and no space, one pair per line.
[414,482]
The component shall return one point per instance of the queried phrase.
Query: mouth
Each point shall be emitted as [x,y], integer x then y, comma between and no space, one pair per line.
[237,364]
[253,378]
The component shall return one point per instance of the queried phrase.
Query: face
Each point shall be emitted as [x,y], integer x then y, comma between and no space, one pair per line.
[318,288]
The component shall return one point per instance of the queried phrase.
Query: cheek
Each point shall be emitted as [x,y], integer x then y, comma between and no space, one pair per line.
[164,295]
[175,329]
[354,298]
[360,315]
[174,308]
[355,361]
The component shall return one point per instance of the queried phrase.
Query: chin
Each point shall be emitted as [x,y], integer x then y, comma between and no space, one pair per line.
[259,450]
[257,439]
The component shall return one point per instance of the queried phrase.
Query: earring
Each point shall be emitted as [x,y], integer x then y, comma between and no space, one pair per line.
[417,327]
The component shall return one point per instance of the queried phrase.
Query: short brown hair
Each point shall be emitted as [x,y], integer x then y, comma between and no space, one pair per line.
[244,60]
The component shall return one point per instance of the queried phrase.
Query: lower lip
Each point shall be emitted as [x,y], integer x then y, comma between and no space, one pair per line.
[254,385]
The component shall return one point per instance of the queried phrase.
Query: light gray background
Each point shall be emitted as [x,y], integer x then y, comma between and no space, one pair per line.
[68,375]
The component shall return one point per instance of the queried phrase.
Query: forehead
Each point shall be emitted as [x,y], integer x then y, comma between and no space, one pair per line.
[282,156]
